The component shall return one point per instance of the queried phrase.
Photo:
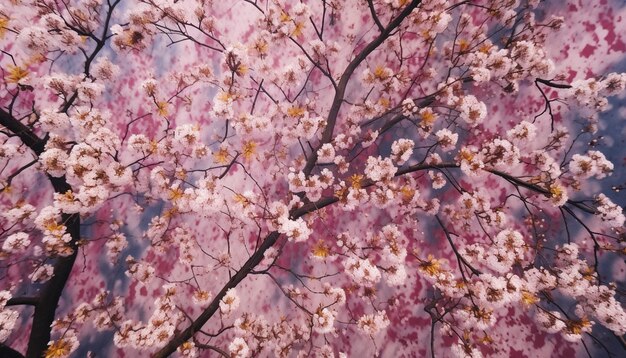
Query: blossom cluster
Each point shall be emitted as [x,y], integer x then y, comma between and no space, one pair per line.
[490,292]
[508,248]
[593,92]
[56,239]
[318,142]
[296,230]
[8,317]
[610,212]
[378,169]
[159,328]
[594,164]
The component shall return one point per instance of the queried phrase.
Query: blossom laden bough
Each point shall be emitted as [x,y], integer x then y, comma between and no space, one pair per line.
[324,178]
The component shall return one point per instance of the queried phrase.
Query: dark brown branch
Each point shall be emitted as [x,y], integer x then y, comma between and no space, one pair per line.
[187,333]
[459,257]
[27,136]
[596,245]
[374,16]
[49,297]
[327,135]
[271,239]
[8,352]
[547,107]
[213,348]
[23,301]
[354,64]
[541,190]
[552,84]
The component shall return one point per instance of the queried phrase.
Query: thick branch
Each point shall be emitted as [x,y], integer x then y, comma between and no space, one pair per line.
[186,334]
[8,352]
[23,301]
[51,293]
[270,240]
[47,300]
[24,133]
[327,135]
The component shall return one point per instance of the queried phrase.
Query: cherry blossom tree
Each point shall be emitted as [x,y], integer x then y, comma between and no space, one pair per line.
[311,178]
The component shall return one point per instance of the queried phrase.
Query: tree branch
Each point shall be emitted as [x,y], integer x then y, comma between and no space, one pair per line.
[370,4]
[459,257]
[27,136]
[187,333]
[327,135]
[8,352]
[49,297]
[25,300]
[270,240]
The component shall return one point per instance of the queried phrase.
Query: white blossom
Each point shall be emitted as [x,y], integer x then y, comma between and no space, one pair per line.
[8,318]
[324,320]
[380,169]
[401,150]
[446,139]
[473,111]
[42,273]
[230,302]
[16,243]
[371,324]
[238,348]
